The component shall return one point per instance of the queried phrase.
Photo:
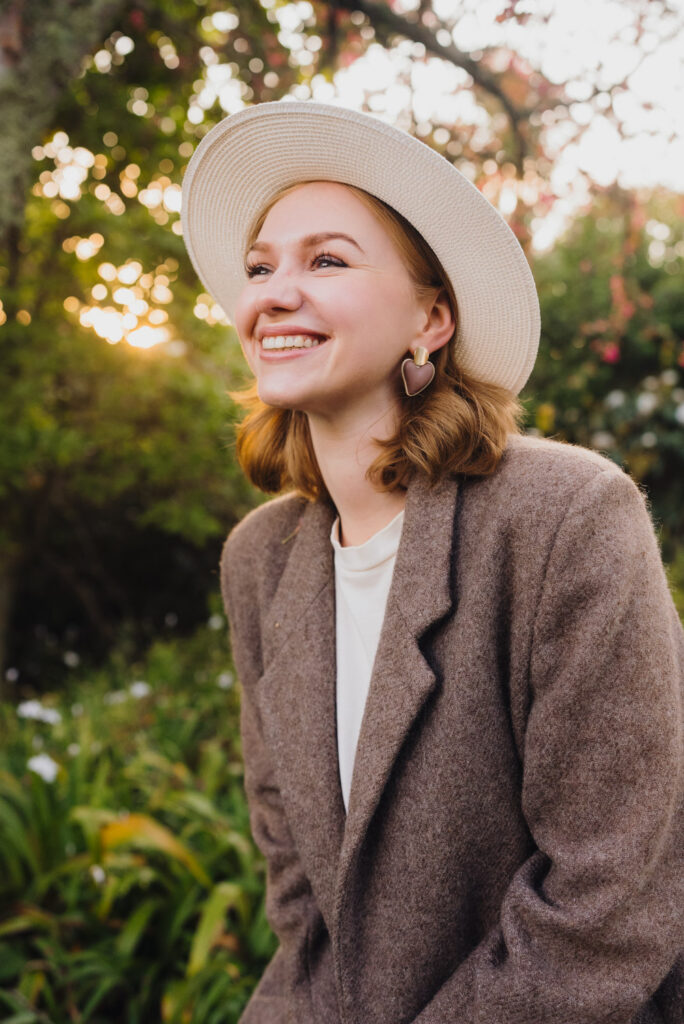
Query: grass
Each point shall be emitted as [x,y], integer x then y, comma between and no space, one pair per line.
[130,890]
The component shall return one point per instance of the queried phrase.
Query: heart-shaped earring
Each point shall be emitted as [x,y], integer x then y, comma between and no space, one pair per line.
[417,373]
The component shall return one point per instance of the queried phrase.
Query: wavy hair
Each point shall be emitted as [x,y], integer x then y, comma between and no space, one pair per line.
[458,425]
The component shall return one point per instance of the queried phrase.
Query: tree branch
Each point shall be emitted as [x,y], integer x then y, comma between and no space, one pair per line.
[382,17]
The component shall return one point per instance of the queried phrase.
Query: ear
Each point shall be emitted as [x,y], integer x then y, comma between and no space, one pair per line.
[439,322]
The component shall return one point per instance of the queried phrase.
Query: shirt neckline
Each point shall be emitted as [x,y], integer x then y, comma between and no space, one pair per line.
[382,546]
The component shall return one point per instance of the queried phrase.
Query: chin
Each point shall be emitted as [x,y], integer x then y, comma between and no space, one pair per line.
[277,399]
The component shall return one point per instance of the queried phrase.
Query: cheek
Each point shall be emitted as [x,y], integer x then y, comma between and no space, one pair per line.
[384,319]
[244,325]
[243,313]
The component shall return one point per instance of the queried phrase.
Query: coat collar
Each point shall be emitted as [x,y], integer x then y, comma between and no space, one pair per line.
[297,690]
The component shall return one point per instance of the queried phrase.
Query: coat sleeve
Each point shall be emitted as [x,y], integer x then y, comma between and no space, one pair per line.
[290,905]
[593,922]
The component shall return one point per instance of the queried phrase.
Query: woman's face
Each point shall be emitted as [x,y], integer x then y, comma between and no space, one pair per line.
[353,293]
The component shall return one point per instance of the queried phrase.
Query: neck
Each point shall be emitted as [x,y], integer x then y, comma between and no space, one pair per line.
[344,453]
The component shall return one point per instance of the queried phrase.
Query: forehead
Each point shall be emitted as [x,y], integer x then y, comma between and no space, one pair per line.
[322,204]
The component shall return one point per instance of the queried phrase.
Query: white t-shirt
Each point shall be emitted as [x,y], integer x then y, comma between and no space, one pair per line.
[363,574]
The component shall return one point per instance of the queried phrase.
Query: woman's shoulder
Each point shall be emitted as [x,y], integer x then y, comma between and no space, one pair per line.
[266,527]
[539,469]
[539,482]
[548,499]
[532,453]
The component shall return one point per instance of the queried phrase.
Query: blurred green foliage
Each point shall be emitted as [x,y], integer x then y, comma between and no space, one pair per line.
[129,887]
[610,373]
[107,448]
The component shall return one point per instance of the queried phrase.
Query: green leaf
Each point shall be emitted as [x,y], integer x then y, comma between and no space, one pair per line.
[143,831]
[102,990]
[11,962]
[133,930]
[30,920]
[212,921]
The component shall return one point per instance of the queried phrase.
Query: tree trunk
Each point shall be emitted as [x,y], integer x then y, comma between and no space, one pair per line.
[41,47]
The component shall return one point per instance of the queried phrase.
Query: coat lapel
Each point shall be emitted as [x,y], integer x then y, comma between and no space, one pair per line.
[297,689]
[402,679]
[297,699]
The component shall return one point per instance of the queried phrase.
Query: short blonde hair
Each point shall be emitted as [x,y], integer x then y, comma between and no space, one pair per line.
[458,425]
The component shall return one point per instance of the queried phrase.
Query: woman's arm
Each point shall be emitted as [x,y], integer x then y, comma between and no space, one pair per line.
[282,995]
[594,920]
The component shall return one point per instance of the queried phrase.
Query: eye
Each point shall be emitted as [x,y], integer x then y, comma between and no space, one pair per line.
[323,260]
[255,269]
[329,259]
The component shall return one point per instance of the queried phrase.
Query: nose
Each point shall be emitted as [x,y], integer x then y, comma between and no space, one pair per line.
[279,291]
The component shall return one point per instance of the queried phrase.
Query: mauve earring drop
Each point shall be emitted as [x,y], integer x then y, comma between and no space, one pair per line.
[417,373]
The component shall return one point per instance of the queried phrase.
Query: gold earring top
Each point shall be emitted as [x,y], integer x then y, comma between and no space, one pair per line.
[421,356]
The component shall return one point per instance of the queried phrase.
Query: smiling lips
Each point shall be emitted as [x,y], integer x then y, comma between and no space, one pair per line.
[290,341]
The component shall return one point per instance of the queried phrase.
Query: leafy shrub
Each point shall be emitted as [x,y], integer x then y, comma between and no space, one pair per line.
[129,887]
[610,373]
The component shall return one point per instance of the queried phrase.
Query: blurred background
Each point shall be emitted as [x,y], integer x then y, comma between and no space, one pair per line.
[129,887]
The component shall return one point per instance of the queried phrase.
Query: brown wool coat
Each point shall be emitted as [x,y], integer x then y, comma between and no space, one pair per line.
[514,849]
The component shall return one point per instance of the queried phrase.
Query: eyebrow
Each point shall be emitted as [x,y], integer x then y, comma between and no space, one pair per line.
[310,240]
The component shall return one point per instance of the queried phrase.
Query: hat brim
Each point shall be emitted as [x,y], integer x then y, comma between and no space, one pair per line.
[248,157]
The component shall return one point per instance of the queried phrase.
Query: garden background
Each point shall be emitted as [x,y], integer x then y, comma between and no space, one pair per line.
[130,890]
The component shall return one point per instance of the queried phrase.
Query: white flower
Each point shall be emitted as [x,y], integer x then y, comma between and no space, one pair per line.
[225,680]
[11,675]
[97,874]
[614,399]
[30,709]
[602,439]
[34,709]
[115,697]
[215,622]
[140,689]
[669,378]
[43,765]
[649,439]
[679,414]
[646,402]
[71,659]
[74,749]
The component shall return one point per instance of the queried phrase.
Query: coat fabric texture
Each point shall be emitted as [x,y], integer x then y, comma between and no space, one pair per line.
[513,851]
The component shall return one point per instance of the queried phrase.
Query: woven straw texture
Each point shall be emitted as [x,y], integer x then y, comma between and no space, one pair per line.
[246,158]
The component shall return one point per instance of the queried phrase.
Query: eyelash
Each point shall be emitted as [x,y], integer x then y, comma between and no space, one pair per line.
[251,269]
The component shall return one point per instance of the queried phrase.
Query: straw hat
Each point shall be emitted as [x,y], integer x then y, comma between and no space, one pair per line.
[248,157]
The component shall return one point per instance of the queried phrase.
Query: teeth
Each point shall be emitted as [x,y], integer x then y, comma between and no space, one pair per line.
[289,341]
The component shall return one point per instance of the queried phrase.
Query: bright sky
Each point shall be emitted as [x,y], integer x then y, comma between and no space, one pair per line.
[587,44]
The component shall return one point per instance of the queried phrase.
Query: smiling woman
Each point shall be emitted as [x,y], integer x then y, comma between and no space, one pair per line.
[461,667]
[459,423]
